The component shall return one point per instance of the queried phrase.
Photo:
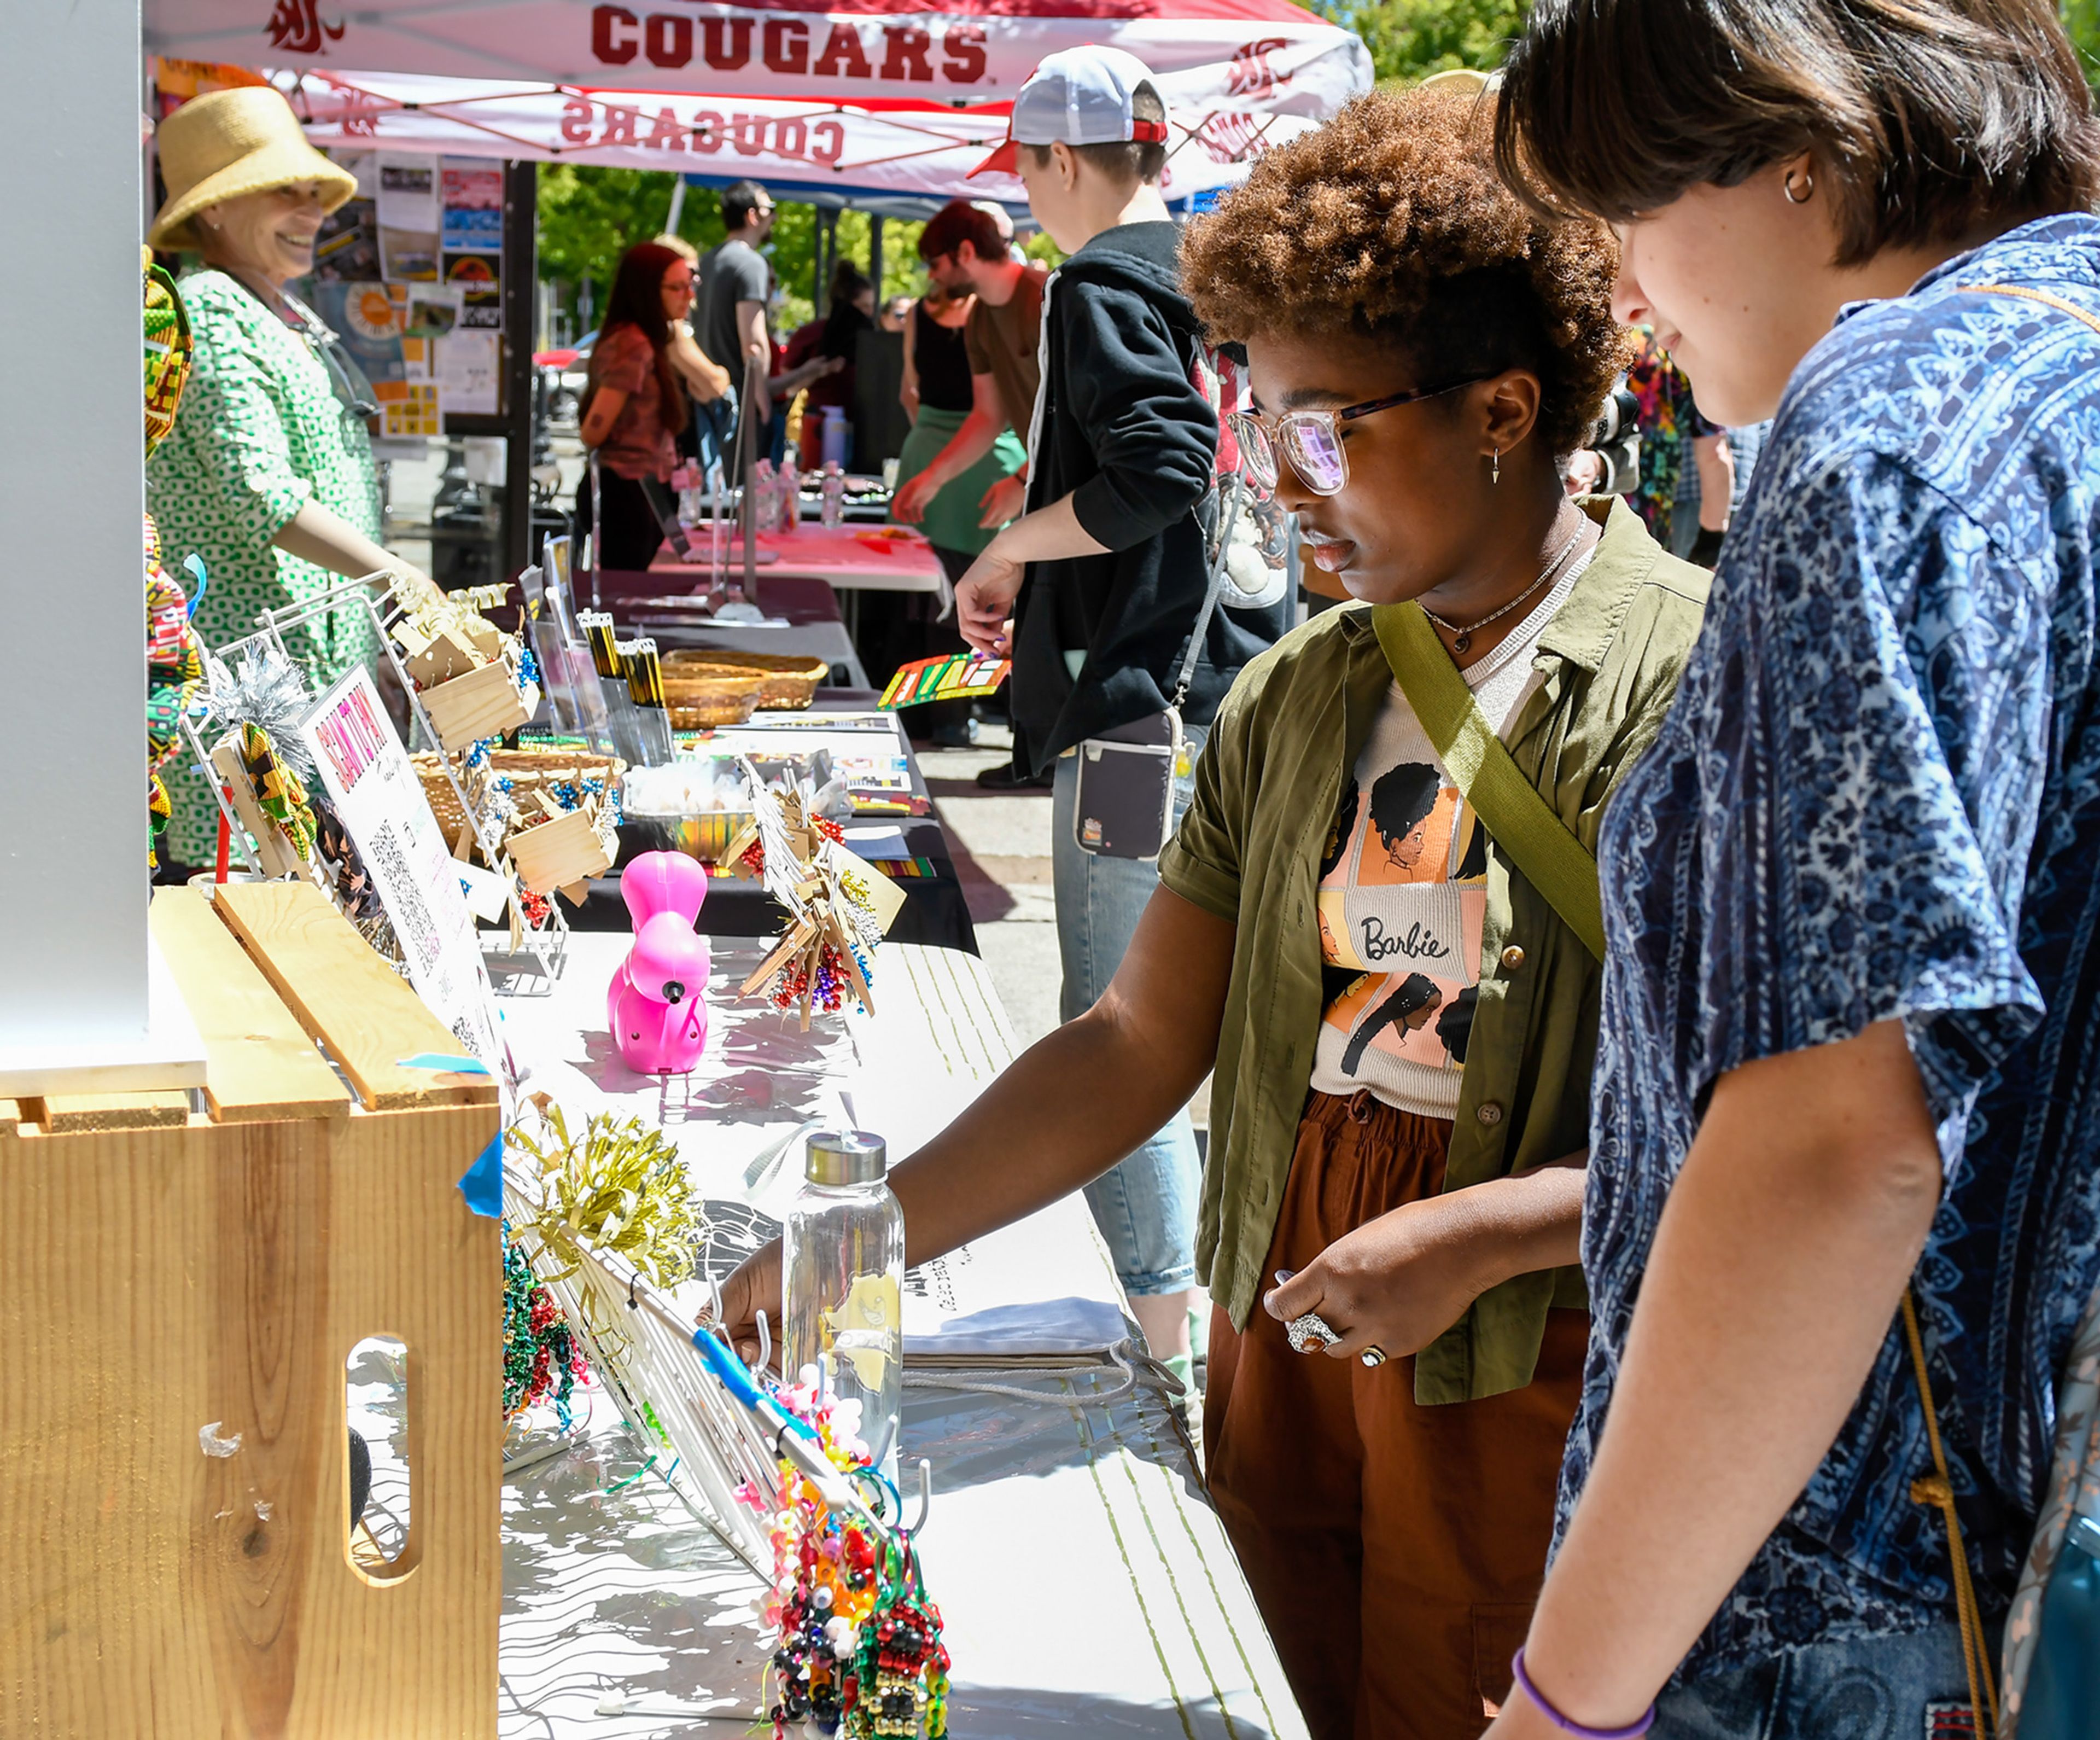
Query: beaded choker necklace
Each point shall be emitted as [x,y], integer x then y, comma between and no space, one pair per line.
[1464,637]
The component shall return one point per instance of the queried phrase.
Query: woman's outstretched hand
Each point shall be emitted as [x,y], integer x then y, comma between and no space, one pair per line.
[1397,1283]
[755,1286]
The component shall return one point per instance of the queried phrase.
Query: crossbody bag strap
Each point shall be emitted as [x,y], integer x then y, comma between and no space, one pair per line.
[1557,864]
[1937,1489]
[1229,510]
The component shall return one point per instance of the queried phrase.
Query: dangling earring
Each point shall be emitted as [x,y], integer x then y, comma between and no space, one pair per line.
[1496,477]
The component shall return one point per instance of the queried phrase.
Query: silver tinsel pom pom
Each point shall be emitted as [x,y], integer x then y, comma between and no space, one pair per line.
[268,691]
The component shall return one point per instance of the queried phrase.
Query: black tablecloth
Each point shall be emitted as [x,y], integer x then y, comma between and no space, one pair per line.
[934,912]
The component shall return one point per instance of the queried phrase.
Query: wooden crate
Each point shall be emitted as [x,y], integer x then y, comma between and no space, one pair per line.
[485,702]
[168,1271]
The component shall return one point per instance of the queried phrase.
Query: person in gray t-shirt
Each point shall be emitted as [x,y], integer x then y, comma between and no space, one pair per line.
[732,327]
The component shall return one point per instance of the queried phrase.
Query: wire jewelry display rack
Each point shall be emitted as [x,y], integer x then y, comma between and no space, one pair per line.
[526,948]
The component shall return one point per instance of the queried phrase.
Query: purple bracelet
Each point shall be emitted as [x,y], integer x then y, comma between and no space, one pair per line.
[1561,1722]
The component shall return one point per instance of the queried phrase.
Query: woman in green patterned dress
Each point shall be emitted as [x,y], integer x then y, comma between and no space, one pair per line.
[268,474]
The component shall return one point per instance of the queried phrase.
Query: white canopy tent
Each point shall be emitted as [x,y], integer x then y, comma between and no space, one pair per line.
[822,150]
[1249,56]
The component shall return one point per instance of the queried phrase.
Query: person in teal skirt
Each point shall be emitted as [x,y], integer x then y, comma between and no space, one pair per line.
[939,397]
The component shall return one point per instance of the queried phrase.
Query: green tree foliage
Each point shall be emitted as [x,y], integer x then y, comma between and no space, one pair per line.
[588,216]
[1410,39]
[2081,18]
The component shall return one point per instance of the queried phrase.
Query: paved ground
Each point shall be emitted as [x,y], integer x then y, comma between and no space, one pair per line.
[1002,850]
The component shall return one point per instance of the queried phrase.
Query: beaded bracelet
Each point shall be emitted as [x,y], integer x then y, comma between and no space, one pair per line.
[1563,1723]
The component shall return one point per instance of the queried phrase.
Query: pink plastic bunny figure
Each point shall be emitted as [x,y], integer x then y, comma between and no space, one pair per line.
[653,1004]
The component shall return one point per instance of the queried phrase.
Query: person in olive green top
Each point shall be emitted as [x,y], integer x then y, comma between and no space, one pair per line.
[1401,1027]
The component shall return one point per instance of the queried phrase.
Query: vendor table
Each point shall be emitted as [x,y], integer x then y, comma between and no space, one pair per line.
[835,554]
[1083,1577]
[671,607]
[934,909]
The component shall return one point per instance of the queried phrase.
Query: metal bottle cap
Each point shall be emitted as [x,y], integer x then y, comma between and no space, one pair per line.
[837,1157]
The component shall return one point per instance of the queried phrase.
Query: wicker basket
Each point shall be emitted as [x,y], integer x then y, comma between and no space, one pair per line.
[526,769]
[696,700]
[790,681]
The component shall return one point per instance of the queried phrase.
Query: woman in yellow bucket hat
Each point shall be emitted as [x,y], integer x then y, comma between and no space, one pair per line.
[268,474]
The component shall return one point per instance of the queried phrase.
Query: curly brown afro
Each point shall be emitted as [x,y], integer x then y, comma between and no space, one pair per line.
[1391,222]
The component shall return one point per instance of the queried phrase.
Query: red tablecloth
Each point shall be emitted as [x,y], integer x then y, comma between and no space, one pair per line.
[801,598]
[835,554]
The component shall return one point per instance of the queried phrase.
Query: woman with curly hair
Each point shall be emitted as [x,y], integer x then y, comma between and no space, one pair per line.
[1422,348]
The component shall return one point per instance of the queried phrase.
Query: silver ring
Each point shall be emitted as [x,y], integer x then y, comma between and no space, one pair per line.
[1373,1356]
[1310,1333]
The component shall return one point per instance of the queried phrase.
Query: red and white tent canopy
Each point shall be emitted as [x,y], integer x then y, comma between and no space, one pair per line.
[880,97]
[797,149]
[1245,56]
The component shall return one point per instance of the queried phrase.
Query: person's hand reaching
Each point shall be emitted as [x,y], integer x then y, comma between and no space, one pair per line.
[907,507]
[755,1286]
[984,601]
[1397,1283]
[1005,501]
[1585,472]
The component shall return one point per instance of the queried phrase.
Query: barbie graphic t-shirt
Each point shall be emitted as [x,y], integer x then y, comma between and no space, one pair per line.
[1403,895]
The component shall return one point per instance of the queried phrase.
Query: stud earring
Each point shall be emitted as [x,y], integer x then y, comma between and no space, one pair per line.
[1495,476]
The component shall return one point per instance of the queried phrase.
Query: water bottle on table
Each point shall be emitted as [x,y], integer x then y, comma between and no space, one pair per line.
[834,511]
[843,1279]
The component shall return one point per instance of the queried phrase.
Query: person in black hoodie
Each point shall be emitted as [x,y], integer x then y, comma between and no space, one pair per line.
[1096,591]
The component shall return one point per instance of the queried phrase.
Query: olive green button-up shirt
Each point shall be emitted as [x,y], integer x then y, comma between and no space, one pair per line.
[1267,789]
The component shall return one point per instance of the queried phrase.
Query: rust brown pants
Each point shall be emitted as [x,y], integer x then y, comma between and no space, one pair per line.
[1395,1550]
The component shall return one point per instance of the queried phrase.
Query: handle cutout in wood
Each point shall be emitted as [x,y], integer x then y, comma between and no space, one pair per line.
[379,1396]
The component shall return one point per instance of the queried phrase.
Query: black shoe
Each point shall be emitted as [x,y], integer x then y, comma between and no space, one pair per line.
[956,733]
[1005,777]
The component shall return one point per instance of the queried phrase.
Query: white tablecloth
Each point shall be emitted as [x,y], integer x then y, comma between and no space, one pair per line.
[1082,1575]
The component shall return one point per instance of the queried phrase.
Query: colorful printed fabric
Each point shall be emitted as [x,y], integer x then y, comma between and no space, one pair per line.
[174,673]
[280,793]
[174,663]
[1670,421]
[168,351]
[260,433]
[1877,798]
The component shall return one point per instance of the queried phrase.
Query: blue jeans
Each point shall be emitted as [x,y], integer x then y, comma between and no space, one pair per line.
[1146,1207]
[1864,1688]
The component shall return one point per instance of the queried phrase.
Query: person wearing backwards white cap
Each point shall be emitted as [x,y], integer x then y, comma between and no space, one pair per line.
[1096,591]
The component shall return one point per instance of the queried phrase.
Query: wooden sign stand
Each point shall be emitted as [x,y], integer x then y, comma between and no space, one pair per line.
[178,1282]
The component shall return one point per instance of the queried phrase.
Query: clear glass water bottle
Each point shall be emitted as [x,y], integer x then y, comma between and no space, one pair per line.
[832,510]
[843,1269]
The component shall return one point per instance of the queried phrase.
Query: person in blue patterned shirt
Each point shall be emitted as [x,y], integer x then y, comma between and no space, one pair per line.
[1848,1030]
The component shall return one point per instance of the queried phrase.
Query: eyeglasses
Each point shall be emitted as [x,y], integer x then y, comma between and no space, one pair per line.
[1311,440]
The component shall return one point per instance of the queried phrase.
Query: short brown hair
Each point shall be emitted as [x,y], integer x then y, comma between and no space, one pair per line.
[959,221]
[1391,222]
[1928,119]
[1126,162]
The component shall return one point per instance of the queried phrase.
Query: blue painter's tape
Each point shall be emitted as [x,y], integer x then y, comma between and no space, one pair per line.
[482,1183]
[439,1060]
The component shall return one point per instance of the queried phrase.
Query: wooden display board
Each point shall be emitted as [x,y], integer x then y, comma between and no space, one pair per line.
[172,1277]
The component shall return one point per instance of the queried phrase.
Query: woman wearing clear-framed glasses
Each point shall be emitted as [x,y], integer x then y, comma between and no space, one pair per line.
[1400,1027]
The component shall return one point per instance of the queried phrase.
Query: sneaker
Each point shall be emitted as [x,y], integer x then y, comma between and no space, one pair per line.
[1007,778]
